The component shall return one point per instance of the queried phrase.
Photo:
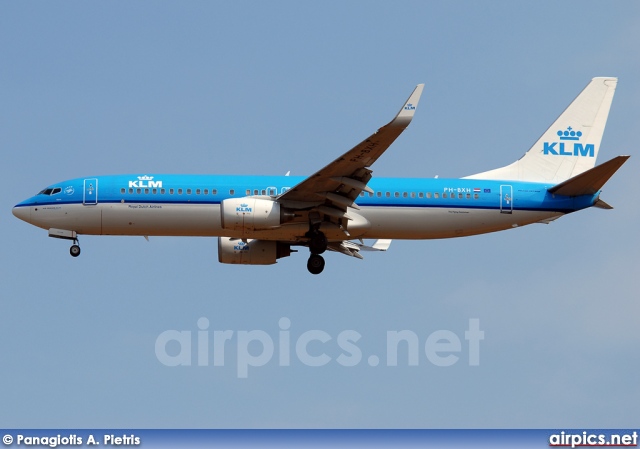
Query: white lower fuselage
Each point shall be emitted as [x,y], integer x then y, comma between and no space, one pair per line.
[203,220]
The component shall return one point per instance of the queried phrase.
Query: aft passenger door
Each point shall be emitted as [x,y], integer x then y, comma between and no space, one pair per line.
[506,199]
[90,196]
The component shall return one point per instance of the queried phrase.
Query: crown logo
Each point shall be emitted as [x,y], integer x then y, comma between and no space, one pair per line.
[145,178]
[569,134]
[244,205]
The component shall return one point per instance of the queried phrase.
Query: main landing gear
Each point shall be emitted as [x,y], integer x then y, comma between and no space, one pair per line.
[317,245]
[315,265]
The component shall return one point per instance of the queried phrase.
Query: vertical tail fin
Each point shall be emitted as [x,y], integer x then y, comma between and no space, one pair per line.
[570,146]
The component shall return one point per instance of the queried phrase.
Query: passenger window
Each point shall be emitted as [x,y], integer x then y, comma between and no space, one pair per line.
[460,196]
[138,191]
[122,190]
[232,192]
[170,191]
[436,195]
[428,194]
[179,191]
[420,194]
[476,196]
[214,191]
[197,191]
[154,191]
[206,191]
[146,191]
[370,194]
[413,194]
[387,194]
[361,193]
[444,195]
[404,195]
[468,196]
[264,192]
[188,191]
[255,191]
[130,190]
[248,192]
[397,194]
[162,191]
[378,194]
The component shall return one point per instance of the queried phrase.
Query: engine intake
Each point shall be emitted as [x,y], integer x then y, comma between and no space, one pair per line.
[253,252]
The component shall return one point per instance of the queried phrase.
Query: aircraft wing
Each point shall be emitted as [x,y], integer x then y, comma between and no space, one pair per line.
[336,186]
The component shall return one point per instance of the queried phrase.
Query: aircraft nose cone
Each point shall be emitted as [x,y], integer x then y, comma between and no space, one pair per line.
[23,213]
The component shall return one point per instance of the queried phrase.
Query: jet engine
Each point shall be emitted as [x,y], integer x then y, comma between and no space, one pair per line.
[252,214]
[251,252]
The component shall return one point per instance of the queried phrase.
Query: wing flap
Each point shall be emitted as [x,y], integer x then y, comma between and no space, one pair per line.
[353,249]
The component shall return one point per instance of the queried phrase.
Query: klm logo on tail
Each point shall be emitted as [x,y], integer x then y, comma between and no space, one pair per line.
[563,148]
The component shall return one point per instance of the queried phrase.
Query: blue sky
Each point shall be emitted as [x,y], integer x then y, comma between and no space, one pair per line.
[265,88]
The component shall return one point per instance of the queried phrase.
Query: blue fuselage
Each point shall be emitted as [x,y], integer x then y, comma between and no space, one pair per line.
[190,205]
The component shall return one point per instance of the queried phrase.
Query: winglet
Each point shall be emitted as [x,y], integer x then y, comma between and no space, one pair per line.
[409,108]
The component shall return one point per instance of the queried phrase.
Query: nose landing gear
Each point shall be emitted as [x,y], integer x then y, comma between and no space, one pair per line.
[75,249]
[67,235]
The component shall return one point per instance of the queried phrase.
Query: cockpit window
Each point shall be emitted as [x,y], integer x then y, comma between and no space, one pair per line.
[50,191]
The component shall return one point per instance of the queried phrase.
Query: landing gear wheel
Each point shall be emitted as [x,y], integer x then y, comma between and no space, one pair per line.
[318,243]
[74,250]
[315,265]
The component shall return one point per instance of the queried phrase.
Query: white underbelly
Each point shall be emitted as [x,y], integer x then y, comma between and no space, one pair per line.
[437,222]
[204,220]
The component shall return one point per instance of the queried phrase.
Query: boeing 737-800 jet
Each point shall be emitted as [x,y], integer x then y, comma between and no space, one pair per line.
[258,219]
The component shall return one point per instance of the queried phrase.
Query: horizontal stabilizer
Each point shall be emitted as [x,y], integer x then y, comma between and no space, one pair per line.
[591,181]
[602,205]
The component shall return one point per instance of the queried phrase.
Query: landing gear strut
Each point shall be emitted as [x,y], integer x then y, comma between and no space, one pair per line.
[318,243]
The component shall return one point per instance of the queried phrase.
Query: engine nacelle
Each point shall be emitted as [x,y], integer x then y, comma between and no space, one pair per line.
[250,214]
[253,252]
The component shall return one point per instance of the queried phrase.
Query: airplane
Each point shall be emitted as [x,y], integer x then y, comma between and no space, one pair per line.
[259,219]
